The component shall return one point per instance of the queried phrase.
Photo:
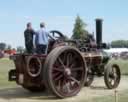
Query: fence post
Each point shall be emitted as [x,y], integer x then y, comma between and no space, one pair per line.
[116,95]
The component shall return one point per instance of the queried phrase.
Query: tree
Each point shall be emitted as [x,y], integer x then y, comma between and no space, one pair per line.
[9,47]
[79,31]
[119,44]
[2,46]
[20,49]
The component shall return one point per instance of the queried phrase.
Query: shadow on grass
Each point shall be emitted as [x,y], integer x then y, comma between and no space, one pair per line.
[12,93]
[98,87]
[125,74]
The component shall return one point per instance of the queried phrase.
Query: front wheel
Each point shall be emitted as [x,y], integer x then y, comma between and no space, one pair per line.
[112,76]
[90,77]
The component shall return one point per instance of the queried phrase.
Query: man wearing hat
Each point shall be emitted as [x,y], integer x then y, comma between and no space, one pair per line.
[41,39]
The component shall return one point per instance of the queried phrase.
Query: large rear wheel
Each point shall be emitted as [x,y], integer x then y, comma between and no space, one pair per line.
[64,71]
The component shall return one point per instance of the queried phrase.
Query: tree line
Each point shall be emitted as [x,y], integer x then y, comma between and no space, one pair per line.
[4,46]
[119,44]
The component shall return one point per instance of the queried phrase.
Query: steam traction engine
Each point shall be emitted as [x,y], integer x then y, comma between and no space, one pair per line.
[67,67]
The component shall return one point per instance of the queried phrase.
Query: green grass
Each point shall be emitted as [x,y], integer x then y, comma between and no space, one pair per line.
[121,97]
[123,65]
[5,66]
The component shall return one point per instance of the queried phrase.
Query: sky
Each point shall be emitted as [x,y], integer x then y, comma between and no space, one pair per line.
[60,15]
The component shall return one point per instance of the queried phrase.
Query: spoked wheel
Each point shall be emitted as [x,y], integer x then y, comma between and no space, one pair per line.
[64,71]
[112,76]
[90,77]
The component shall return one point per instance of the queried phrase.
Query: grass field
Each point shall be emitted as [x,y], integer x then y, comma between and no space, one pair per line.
[123,65]
[121,97]
[6,65]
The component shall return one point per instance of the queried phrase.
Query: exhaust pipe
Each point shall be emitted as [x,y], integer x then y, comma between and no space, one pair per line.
[99,31]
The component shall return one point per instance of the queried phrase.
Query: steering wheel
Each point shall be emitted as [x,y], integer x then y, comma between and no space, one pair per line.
[57,34]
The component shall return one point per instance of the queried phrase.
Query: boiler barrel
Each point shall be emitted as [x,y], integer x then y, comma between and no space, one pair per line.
[96,58]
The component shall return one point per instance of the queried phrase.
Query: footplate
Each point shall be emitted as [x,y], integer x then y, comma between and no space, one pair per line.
[12,75]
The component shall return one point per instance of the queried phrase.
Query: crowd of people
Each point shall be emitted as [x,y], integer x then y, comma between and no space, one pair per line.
[36,41]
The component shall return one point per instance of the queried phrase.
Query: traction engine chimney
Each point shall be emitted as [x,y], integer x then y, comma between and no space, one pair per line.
[99,31]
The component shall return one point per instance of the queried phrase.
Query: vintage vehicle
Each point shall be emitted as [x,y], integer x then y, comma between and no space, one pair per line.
[67,67]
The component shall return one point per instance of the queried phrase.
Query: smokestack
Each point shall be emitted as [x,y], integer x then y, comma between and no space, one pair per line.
[99,31]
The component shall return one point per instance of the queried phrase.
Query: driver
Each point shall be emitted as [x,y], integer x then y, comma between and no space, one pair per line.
[41,39]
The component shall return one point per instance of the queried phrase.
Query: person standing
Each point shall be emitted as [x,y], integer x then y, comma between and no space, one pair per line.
[41,39]
[28,35]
